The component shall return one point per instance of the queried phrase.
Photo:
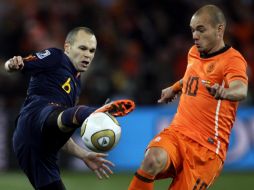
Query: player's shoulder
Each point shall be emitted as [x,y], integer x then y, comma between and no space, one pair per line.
[233,52]
[57,50]
[49,52]
[235,56]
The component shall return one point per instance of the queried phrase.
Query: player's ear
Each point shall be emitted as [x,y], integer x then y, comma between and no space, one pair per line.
[67,47]
[220,29]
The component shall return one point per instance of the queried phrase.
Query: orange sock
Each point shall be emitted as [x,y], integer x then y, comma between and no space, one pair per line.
[142,181]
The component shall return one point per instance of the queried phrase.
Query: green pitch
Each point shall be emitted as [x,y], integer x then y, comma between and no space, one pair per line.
[120,181]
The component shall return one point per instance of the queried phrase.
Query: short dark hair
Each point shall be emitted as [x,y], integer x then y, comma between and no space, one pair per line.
[70,38]
[215,13]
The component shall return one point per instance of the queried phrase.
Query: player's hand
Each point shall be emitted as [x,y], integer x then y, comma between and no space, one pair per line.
[167,95]
[216,90]
[118,107]
[15,63]
[97,163]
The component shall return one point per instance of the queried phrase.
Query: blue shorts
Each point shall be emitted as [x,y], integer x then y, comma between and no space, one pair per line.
[39,165]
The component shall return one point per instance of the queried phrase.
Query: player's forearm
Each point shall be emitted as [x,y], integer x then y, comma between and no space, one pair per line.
[237,91]
[72,148]
[178,86]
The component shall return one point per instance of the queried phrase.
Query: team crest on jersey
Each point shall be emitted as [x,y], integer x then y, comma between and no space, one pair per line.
[43,54]
[210,67]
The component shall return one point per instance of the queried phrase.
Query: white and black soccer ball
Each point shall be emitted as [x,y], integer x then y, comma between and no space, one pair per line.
[100,132]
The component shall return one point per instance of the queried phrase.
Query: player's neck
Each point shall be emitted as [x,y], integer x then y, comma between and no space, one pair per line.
[219,51]
[217,48]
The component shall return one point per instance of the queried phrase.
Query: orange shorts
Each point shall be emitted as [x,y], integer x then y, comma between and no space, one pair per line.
[192,166]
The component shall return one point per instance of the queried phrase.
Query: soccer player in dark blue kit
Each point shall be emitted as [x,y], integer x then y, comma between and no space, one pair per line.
[50,113]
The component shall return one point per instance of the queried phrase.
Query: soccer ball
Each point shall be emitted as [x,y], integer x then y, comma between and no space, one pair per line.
[100,132]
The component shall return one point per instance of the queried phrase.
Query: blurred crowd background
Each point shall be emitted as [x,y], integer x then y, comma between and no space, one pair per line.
[142,46]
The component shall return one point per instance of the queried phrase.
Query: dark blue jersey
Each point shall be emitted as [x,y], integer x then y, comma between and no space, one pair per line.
[53,77]
[54,84]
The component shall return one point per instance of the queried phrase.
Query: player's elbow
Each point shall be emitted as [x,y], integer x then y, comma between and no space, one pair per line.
[237,91]
[242,95]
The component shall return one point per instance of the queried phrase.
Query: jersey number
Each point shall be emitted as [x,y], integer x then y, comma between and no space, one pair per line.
[67,86]
[200,185]
[192,86]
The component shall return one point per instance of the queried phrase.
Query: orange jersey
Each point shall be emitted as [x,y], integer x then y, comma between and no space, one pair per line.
[190,160]
[199,115]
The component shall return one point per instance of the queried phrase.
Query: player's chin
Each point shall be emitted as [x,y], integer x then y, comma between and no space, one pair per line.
[83,69]
[200,48]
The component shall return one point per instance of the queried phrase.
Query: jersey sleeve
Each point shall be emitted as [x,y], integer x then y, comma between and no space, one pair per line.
[235,69]
[45,60]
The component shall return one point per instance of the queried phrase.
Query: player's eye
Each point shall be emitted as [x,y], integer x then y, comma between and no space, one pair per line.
[201,29]
[83,48]
[92,50]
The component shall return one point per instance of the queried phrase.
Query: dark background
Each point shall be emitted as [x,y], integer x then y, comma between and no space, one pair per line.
[142,47]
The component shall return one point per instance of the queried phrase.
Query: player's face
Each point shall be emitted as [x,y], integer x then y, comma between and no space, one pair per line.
[82,51]
[207,37]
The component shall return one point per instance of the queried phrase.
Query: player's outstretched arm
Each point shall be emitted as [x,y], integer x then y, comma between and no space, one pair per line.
[95,161]
[14,64]
[236,91]
[170,93]
[118,108]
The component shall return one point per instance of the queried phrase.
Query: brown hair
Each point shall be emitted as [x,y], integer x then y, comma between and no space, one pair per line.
[72,34]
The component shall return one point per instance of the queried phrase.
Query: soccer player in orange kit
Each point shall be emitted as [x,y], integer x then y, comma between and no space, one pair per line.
[192,150]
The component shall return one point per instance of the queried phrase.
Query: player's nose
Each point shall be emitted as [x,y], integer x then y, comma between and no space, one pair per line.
[195,36]
[87,55]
